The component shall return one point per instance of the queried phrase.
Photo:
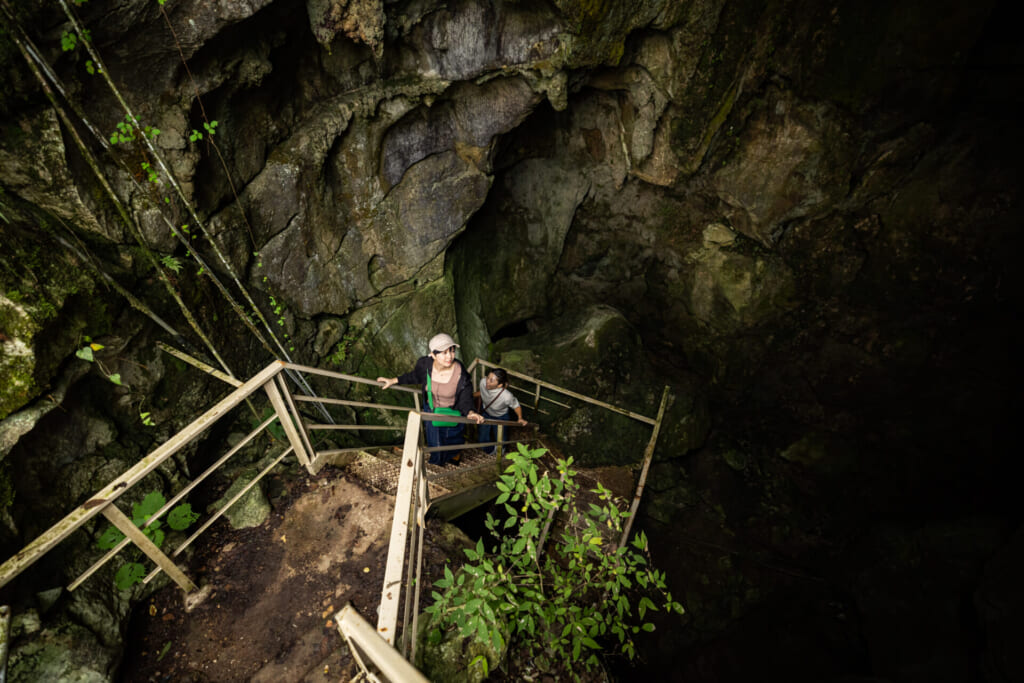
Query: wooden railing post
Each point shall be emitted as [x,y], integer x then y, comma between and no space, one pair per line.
[128,528]
[290,431]
[387,617]
[648,455]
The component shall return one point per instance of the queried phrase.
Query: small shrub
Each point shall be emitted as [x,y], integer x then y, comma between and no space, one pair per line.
[560,609]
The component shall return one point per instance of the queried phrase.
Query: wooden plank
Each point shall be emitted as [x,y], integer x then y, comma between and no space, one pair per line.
[567,392]
[345,402]
[92,507]
[354,449]
[348,378]
[387,618]
[195,362]
[299,423]
[453,505]
[171,503]
[380,651]
[128,528]
[284,417]
[358,427]
[648,456]
[538,396]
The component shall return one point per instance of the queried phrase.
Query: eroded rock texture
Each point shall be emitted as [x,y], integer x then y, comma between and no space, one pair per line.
[800,217]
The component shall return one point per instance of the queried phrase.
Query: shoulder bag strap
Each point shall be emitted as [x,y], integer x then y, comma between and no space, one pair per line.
[494,399]
[430,394]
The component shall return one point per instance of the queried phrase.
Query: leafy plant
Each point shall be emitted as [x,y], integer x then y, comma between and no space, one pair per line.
[179,519]
[560,608]
[68,41]
[87,353]
[342,349]
[210,128]
[125,132]
[171,263]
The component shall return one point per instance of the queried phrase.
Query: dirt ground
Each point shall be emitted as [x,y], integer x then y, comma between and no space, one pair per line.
[274,590]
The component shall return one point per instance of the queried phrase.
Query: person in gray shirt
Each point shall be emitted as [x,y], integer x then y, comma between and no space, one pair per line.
[497,403]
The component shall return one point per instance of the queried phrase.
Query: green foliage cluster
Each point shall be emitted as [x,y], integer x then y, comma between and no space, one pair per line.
[562,608]
[179,519]
[343,348]
[125,133]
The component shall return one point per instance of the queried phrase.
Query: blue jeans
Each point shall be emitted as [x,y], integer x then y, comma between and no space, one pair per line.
[490,432]
[443,436]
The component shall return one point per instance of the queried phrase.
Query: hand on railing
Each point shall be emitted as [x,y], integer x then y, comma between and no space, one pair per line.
[387,382]
[475,416]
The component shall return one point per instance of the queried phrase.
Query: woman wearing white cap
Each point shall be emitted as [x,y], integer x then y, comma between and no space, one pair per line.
[447,388]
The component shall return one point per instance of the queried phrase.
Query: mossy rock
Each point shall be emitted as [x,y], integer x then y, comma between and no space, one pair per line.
[250,510]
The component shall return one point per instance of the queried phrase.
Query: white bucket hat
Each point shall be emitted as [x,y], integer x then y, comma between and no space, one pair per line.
[441,342]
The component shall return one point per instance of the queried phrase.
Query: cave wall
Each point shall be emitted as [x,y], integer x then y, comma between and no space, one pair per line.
[801,218]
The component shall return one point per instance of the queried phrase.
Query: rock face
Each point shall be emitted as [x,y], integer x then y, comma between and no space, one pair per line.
[801,218]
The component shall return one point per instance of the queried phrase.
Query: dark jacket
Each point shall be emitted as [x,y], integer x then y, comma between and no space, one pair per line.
[463,390]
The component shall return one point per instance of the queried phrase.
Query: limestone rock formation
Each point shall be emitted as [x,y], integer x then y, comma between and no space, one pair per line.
[800,217]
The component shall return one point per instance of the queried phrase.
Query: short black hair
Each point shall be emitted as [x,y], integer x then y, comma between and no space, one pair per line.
[499,375]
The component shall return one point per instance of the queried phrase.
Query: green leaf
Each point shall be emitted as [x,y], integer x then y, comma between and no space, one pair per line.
[181,517]
[129,575]
[85,353]
[145,509]
[110,538]
[648,627]
[171,263]
[482,661]
[156,535]
[115,378]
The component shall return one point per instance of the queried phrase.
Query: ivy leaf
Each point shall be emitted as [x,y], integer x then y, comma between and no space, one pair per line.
[156,535]
[115,378]
[85,353]
[110,538]
[145,509]
[182,517]
[129,575]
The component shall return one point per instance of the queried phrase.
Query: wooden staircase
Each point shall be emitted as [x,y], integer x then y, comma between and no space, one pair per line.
[453,489]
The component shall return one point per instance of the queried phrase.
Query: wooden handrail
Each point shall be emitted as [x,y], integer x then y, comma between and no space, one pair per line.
[355,629]
[567,392]
[349,378]
[108,494]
